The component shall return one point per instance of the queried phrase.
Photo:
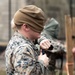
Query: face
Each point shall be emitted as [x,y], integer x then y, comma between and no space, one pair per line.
[34,35]
[29,33]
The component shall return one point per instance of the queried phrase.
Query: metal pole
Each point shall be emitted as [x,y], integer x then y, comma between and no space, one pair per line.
[9,20]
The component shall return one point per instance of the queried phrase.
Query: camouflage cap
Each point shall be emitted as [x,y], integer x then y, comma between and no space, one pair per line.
[31,15]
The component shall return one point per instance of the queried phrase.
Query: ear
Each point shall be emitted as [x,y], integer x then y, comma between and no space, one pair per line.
[25,27]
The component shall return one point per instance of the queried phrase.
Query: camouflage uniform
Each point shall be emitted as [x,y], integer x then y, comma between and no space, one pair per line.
[51,32]
[21,57]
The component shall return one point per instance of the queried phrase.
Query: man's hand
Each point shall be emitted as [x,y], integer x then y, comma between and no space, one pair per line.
[45,44]
[44,58]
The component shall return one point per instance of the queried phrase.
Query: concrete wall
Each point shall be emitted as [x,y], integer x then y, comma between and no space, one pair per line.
[4,16]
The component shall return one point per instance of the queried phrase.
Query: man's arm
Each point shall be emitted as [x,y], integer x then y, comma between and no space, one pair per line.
[26,62]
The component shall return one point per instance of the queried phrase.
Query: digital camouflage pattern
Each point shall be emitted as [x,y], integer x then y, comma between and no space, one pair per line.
[50,31]
[21,57]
